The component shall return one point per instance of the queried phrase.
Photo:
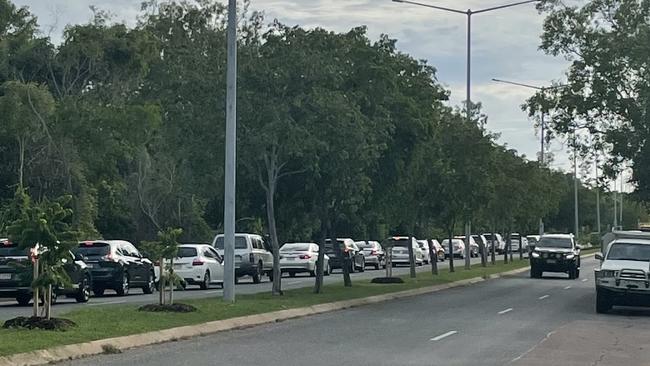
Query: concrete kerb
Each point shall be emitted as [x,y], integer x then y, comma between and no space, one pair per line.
[80,350]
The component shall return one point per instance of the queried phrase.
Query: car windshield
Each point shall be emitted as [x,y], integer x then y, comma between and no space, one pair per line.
[295,248]
[93,249]
[400,242]
[240,242]
[13,251]
[629,252]
[364,245]
[186,252]
[553,242]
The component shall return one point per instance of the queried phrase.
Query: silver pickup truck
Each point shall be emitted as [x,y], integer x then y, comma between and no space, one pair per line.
[623,277]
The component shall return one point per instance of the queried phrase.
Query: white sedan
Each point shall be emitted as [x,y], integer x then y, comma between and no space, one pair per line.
[301,257]
[197,264]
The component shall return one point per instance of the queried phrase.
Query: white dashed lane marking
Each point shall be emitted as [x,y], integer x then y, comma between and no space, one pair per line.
[505,311]
[443,336]
[544,297]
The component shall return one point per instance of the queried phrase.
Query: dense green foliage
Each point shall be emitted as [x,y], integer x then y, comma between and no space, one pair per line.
[344,135]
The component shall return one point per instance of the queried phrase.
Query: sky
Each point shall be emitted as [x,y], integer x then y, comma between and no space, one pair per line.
[505,46]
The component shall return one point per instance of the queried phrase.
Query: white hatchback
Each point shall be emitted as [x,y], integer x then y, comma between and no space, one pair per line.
[197,264]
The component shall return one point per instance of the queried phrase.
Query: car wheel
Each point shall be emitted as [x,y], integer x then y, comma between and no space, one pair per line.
[377,266]
[603,303]
[577,273]
[84,290]
[270,274]
[363,266]
[292,274]
[257,276]
[206,281]
[123,288]
[312,273]
[572,274]
[23,300]
[328,270]
[151,284]
[98,291]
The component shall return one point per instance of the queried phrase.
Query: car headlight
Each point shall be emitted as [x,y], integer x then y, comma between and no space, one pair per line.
[569,256]
[606,273]
[535,255]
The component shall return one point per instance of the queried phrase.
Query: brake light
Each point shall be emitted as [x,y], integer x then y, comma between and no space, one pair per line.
[374,252]
[198,262]
[251,258]
[305,256]
[109,257]
[88,243]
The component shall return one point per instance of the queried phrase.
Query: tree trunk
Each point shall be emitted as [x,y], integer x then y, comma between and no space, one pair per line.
[521,246]
[411,258]
[468,248]
[433,258]
[48,311]
[35,272]
[389,261]
[345,260]
[276,289]
[21,161]
[493,252]
[318,285]
[505,252]
[450,236]
[161,281]
[172,281]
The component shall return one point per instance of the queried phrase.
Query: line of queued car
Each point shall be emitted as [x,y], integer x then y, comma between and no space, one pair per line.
[96,266]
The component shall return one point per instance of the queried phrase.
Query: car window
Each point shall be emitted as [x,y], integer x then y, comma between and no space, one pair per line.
[629,252]
[551,242]
[208,253]
[240,243]
[130,250]
[93,249]
[215,255]
[187,252]
[295,248]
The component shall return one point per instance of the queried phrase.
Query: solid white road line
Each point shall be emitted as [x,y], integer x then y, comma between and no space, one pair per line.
[443,336]
[107,303]
[504,311]
[568,287]
[544,297]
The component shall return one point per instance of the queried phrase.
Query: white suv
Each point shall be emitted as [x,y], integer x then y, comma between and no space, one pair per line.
[624,274]
[252,258]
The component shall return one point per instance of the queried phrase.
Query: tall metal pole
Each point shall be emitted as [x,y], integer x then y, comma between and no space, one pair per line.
[615,208]
[541,164]
[231,142]
[469,65]
[620,221]
[598,223]
[575,189]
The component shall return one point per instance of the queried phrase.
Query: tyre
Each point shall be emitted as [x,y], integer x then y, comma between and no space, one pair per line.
[98,291]
[270,274]
[603,303]
[377,266]
[257,276]
[363,266]
[292,274]
[83,295]
[535,272]
[312,273]
[151,284]
[206,281]
[23,300]
[124,287]
[328,270]
[577,273]
[573,273]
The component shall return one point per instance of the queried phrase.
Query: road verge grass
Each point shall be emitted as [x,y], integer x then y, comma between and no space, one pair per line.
[109,321]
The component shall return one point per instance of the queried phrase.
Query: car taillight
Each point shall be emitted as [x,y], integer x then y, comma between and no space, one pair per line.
[109,257]
[305,256]
[251,258]
[156,263]
[197,262]
[374,252]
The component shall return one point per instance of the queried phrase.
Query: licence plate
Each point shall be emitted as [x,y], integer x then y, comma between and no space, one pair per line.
[551,261]
[5,276]
[90,265]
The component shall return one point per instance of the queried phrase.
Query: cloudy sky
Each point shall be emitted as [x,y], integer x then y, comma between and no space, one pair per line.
[505,46]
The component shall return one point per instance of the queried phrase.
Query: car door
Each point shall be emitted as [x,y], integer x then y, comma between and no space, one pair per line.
[215,264]
[135,262]
[73,269]
[265,247]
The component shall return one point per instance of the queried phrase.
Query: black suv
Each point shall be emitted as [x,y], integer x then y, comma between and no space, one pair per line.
[347,249]
[16,275]
[555,253]
[117,265]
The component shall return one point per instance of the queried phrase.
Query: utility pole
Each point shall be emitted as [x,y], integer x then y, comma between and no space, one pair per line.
[231,157]
[575,189]
[621,203]
[598,224]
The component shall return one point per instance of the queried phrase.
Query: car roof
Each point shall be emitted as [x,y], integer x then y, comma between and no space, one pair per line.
[632,241]
[559,236]
[190,245]
[299,244]
[109,242]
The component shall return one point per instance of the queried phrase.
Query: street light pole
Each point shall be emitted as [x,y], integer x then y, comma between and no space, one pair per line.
[231,142]
[575,188]
[468,13]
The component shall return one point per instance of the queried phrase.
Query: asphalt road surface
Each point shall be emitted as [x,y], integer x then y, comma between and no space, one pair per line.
[507,321]
[10,309]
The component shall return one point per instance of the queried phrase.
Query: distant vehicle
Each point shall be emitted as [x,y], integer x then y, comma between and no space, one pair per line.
[424,248]
[624,273]
[197,264]
[252,256]
[300,258]
[117,265]
[499,243]
[348,249]
[16,275]
[458,248]
[532,242]
[516,241]
[400,251]
[440,250]
[555,253]
[473,246]
[482,243]
[373,253]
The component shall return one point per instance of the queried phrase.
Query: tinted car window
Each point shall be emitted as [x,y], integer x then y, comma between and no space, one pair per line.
[554,243]
[629,252]
[400,242]
[295,247]
[13,251]
[185,252]
[93,249]
[240,243]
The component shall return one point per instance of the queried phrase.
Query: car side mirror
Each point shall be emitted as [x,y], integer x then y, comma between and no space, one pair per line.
[78,257]
[599,256]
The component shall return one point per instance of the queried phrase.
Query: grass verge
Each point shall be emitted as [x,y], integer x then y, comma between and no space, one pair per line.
[119,320]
